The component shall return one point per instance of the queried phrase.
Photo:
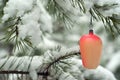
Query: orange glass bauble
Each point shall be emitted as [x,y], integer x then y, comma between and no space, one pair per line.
[91,49]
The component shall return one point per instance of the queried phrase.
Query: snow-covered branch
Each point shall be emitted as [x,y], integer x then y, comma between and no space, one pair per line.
[26,64]
[72,53]
[46,64]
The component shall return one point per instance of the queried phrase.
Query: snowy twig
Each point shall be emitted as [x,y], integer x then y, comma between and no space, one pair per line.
[67,53]
[60,58]
[16,69]
[22,72]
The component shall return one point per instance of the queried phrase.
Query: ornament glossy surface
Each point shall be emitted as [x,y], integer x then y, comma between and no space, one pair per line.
[91,49]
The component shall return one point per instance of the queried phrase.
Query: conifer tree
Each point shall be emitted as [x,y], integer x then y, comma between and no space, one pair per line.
[39,38]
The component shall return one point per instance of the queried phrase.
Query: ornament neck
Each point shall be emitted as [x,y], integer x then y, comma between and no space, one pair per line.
[90,31]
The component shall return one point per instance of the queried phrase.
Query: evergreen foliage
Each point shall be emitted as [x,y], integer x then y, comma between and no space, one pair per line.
[41,30]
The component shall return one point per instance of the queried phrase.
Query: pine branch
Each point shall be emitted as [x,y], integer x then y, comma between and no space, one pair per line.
[12,35]
[60,58]
[81,5]
[110,22]
[22,72]
[9,62]
[60,13]
[67,53]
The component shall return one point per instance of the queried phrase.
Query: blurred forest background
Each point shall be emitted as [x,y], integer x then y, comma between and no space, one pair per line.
[31,28]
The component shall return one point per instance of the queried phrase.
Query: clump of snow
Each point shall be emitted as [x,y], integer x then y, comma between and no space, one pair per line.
[99,74]
[16,7]
[93,74]
[31,29]
[45,18]
[34,18]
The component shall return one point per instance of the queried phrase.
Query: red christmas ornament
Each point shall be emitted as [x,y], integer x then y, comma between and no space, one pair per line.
[91,49]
